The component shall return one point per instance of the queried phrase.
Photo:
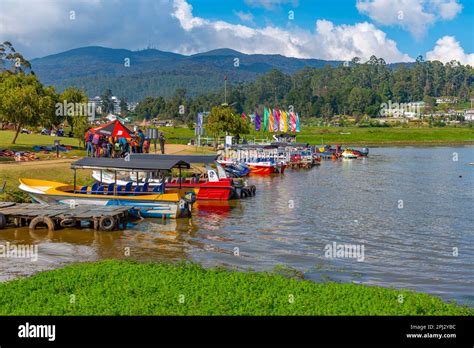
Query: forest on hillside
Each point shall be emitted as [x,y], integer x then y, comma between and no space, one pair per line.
[355,89]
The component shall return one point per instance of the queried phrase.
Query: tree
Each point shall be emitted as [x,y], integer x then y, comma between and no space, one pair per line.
[23,101]
[107,102]
[11,61]
[430,104]
[76,102]
[222,120]
[123,106]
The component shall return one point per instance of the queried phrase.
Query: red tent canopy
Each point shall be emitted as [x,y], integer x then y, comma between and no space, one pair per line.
[113,128]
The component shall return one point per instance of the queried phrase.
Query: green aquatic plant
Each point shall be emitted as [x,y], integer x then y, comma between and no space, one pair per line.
[132,288]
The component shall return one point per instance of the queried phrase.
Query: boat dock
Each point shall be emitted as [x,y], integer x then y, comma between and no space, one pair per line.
[57,216]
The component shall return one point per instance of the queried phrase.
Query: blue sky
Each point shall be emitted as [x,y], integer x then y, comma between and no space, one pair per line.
[341,12]
[396,30]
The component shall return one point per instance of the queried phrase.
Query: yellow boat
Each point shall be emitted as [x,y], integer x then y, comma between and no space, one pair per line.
[175,204]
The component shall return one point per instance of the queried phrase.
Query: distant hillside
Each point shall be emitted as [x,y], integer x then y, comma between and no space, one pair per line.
[153,72]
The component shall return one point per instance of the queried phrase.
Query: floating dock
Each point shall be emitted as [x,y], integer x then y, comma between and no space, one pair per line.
[57,216]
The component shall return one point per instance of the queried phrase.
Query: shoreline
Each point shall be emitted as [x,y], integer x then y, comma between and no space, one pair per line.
[402,143]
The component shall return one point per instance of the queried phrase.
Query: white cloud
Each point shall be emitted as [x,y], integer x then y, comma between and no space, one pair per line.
[270,4]
[447,49]
[416,16]
[326,42]
[38,29]
[244,16]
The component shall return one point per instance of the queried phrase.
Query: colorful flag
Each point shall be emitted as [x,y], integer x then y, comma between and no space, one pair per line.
[297,122]
[266,119]
[275,121]
[244,116]
[271,123]
[292,122]
[282,121]
[288,122]
[257,122]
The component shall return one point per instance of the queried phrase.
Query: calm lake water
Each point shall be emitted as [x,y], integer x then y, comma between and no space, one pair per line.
[411,208]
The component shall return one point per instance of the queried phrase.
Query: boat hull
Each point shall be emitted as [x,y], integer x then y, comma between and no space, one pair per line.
[266,169]
[221,190]
[48,193]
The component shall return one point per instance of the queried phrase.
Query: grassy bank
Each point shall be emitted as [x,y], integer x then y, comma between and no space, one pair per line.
[386,136]
[25,142]
[46,170]
[358,136]
[128,288]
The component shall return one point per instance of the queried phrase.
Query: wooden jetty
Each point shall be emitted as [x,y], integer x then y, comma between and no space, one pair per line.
[56,216]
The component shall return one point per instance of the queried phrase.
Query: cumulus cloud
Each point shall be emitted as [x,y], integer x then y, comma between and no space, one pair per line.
[244,16]
[46,28]
[270,4]
[447,49]
[416,16]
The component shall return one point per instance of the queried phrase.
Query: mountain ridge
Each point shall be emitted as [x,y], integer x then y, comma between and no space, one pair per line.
[153,72]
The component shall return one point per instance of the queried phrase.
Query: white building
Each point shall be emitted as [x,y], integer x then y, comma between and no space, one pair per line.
[469,115]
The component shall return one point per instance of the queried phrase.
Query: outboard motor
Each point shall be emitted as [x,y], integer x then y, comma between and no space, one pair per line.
[364,151]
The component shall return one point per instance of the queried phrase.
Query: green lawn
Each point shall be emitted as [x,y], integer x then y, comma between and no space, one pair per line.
[356,135]
[129,288]
[386,136]
[25,142]
[48,171]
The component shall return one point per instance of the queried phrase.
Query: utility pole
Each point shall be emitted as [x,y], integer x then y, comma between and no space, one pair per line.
[225,89]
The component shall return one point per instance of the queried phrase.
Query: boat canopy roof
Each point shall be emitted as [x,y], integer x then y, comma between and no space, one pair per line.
[253,147]
[134,164]
[286,135]
[282,144]
[207,159]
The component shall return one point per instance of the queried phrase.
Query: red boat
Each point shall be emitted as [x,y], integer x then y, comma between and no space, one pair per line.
[266,168]
[216,186]
[223,189]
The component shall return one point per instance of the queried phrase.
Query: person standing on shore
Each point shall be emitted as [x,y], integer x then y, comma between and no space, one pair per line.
[161,139]
[89,146]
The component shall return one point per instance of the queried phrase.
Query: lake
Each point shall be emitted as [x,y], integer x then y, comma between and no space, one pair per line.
[408,210]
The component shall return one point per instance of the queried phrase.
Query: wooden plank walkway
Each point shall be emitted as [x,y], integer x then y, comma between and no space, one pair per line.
[24,213]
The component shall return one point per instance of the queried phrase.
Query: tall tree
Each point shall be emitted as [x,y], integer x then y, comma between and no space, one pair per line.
[23,101]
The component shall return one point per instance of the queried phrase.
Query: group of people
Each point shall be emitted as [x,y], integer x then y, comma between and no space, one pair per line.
[98,145]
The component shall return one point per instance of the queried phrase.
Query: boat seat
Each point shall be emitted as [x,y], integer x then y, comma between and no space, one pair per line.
[100,190]
[159,188]
[145,187]
[137,190]
[128,188]
[94,188]
[83,189]
[110,189]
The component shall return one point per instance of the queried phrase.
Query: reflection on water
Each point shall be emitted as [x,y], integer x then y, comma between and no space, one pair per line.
[294,216]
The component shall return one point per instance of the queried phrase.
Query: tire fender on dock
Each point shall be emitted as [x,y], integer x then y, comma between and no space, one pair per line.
[3,221]
[253,189]
[106,223]
[68,222]
[42,220]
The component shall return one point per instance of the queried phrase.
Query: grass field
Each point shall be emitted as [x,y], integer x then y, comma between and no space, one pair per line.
[48,170]
[25,142]
[357,136]
[129,288]
[386,136]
